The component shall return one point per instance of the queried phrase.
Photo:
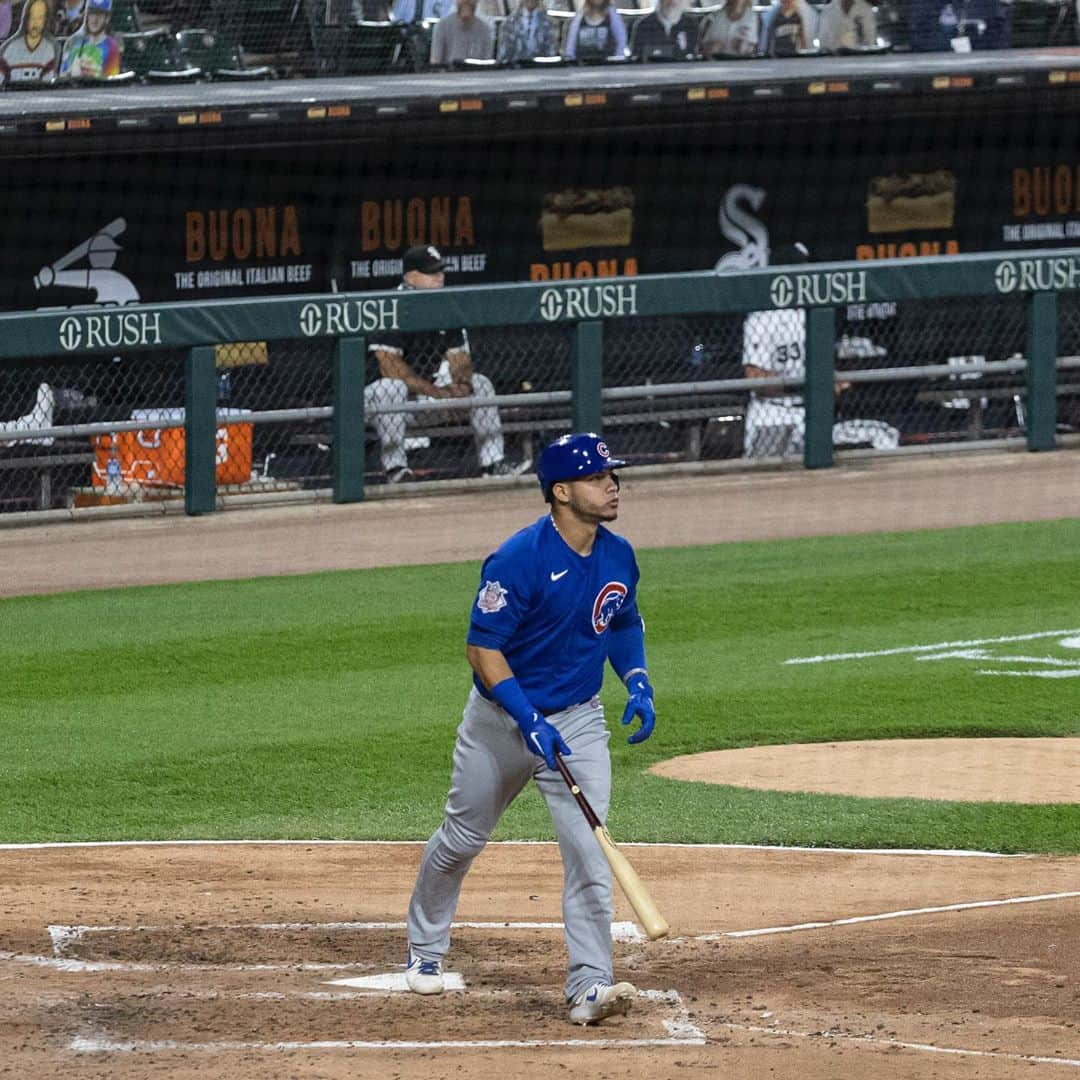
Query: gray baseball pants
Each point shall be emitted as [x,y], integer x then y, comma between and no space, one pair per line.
[492,765]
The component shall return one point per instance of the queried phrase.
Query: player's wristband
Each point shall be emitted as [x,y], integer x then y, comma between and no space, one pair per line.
[512,698]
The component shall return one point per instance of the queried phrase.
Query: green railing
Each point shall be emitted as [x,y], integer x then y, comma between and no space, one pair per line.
[349,318]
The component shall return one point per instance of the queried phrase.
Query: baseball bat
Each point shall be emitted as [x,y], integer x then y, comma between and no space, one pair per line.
[113,229]
[43,279]
[654,924]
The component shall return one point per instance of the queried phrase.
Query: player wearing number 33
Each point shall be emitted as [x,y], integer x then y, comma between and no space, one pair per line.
[556,601]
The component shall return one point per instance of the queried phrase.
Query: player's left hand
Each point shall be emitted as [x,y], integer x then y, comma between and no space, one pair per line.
[640,704]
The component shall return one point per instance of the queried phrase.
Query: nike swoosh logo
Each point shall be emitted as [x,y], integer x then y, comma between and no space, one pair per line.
[561,573]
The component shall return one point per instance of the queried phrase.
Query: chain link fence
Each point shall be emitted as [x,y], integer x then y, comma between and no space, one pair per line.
[99,430]
[1068,401]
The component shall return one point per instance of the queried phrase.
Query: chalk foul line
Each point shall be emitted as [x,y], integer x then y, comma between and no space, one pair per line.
[902,914]
[899,1044]
[907,649]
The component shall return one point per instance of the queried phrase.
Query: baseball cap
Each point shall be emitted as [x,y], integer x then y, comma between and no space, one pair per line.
[425,258]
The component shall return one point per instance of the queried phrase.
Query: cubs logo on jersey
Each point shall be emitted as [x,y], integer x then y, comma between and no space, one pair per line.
[492,598]
[606,605]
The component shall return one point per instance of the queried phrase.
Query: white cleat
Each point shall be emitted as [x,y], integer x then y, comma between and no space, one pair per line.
[601,1001]
[424,976]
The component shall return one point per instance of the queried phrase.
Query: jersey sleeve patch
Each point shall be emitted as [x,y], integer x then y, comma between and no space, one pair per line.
[491,598]
[606,605]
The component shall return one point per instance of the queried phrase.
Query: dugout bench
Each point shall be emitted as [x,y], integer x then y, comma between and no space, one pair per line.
[687,418]
[68,457]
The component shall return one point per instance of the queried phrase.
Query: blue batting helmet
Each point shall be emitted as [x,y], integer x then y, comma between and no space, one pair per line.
[573,456]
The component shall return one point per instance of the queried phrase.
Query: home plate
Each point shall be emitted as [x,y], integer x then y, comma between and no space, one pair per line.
[393,982]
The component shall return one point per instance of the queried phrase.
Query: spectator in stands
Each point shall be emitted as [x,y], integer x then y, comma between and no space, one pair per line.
[32,54]
[93,53]
[414,10]
[847,24]
[596,32]
[731,31]
[462,35]
[70,17]
[963,25]
[400,362]
[5,19]
[774,344]
[666,33]
[526,34]
[493,9]
[786,28]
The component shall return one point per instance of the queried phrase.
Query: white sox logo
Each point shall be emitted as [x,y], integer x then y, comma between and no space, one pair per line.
[588,302]
[131,329]
[606,605]
[339,317]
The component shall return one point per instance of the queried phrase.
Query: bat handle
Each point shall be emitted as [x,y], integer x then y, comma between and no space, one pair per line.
[575,790]
[564,771]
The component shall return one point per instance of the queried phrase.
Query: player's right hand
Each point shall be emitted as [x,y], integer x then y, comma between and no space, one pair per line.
[543,739]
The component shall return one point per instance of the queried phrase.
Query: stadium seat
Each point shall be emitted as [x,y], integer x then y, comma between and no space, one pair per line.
[125,17]
[267,25]
[219,58]
[1034,23]
[543,62]
[893,25]
[155,57]
[374,48]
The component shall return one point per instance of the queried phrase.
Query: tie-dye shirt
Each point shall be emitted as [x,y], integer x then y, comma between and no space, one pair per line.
[85,58]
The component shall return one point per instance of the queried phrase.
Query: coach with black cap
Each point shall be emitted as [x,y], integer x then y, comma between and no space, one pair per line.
[429,365]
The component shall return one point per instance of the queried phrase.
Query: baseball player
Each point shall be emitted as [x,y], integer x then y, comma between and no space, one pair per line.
[395,378]
[774,343]
[556,600]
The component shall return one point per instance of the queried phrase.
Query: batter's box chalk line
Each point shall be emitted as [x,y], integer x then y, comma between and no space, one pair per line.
[680,1031]
[679,1028]
[67,938]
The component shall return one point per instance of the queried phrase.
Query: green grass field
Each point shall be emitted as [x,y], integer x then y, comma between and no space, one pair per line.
[325,705]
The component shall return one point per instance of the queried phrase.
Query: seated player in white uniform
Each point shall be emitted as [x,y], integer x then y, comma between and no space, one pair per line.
[774,344]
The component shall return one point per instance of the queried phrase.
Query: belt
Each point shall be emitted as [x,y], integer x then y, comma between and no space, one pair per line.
[563,708]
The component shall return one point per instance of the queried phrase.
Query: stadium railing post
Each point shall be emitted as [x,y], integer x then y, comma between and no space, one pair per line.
[587,377]
[200,430]
[1042,371]
[819,391]
[349,420]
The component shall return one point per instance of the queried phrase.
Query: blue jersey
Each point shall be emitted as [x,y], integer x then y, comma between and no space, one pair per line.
[550,611]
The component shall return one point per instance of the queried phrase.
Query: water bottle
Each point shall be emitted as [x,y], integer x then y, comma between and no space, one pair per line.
[113,485]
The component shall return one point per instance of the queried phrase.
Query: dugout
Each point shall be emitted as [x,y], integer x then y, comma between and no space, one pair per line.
[124,194]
